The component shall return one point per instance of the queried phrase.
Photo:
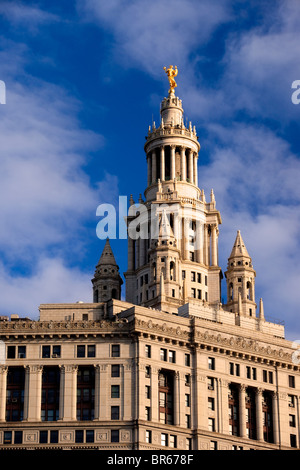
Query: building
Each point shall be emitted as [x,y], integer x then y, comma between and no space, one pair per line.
[172,366]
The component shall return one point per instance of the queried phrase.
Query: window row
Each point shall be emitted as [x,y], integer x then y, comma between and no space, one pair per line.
[54,351]
[167,355]
[86,436]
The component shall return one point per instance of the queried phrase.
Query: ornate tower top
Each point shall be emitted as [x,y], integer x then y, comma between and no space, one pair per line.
[107,280]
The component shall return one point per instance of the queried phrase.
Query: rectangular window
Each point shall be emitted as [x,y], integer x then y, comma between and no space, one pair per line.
[210,383]
[163,354]
[7,437]
[173,441]
[147,350]
[172,356]
[199,278]
[211,424]
[46,351]
[11,352]
[115,391]
[292,421]
[53,437]
[291,400]
[148,437]
[211,403]
[199,294]
[164,439]
[148,391]
[115,412]
[18,438]
[80,350]
[193,276]
[43,437]
[148,413]
[115,435]
[115,350]
[188,421]
[291,381]
[187,399]
[211,363]
[115,370]
[147,372]
[187,360]
[79,436]
[21,352]
[206,280]
[91,350]
[188,443]
[188,380]
[56,351]
[193,293]
[89,436]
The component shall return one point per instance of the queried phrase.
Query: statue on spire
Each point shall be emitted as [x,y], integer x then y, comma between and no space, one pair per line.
[171,74]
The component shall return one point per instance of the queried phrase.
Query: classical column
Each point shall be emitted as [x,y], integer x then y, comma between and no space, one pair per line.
[97,391]
[127,392]
[103,393]
[242,410]
[153,166]
[214,256]
[33,393]
[70,393]
[177,400]
[191,165]
[154,395]
[61,391]
[195,170]
[149,176]
[223,406]
[183,164]
[172,163]
[162,164]
[3,383]
[259,415]
[275,417]
[205,245]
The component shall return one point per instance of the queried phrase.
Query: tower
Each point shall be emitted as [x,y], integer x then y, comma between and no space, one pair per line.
[240,278]
[177,229]
[107,281]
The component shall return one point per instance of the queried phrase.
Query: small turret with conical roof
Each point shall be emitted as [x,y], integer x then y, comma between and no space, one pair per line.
[107,281]
[240,277]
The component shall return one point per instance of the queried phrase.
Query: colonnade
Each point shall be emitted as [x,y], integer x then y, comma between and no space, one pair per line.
[186,165]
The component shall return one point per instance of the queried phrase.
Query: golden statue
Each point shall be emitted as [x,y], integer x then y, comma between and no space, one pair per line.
[171,74]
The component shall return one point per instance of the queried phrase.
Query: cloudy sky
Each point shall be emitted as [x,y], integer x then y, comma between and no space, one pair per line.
[84,80]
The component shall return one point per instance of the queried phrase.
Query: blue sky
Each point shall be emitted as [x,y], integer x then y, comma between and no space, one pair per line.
[84,80]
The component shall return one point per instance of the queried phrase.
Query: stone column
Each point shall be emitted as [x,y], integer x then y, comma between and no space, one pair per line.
[153,166]
[205,245]
[176,399]
[149,175]
[61,392]
[128,393]
[33,392]
[191,166]
[172,163]
[154,395]
[242,410]
[162,164]
[196,170]
[259,415]
[275,417]
[3,383]
[70,393]
[103,393]
[97,391]
[214,255]
[183,164]
[224,408]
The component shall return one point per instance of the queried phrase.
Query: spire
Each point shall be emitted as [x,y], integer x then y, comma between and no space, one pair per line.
[107,256]
[261,309]
[239,248]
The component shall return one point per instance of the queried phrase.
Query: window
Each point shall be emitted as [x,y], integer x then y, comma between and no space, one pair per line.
[79,436]
[18,438]
[115,412]
[164,439]
[115,350]
[183,275]
[291,381]
[188,421]
[46,351]
[43,437]
[188,443]
[193,276]
[206,280]
[187,399]
[115,391]
[7,437]
[148,437]
[199,278]
[292,421]
[80,351]
[115,370]
[173,441]
[213,445]
[21,352]
[147,391]
[293,440]
[291,400]
[53,437]
[211,424]
[199,294]
[193,293]
[147,371]
[89,435]
[172,356]
[11,352]
[163,354]
[234,369]
[211,363]
[148,413]
[210,383]
[91,350]
[147,350]
[187,360]
[115,435]
[251,372]
[211,403]
[188,380]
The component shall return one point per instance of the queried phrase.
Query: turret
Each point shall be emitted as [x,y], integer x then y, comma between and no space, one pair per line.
[240,277]
[107,281]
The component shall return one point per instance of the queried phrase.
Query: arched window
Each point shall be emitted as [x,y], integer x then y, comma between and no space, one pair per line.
[249,290]
[172,271]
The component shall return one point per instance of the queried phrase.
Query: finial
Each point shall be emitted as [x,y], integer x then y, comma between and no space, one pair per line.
[171,74]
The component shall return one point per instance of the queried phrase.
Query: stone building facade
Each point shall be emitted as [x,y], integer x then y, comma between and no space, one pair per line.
[170,367]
